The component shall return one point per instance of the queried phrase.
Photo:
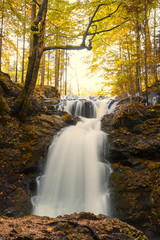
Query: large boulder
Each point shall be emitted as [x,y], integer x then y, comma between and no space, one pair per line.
[134,150]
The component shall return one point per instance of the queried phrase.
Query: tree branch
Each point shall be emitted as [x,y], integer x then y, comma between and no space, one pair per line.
[107,30]
[90,23]
[101,19]
[68,47]
[83,45]
[39,15]
[37,3]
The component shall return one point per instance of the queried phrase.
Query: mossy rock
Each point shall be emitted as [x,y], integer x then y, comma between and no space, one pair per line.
[128,115]
[9,88]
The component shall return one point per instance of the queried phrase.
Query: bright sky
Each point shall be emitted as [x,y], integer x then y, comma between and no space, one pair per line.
[77,73]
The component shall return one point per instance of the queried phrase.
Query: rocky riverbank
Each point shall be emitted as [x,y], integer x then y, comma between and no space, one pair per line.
[24,146]
[74,226]
[134,151]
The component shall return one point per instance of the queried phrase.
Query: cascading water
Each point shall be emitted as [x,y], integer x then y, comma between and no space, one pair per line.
[76,175]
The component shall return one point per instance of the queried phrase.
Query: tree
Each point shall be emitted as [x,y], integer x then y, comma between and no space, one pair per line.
[23,102]
[124,50]
[1,33]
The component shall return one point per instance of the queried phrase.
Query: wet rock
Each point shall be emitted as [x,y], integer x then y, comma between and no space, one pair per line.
[84,108]
[154,98]
[134,150]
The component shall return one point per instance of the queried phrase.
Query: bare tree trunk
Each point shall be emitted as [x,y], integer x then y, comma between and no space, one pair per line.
[1,35]
[155,49]
[23,102]
[66,63]
[145,55]
[24,39]
[48,72]
[137,54]
[130,73]
[57,63]
[61,71]
[33,16]
[16,77]
[43,71]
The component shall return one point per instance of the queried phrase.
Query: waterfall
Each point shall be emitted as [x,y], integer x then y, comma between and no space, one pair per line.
[77,172]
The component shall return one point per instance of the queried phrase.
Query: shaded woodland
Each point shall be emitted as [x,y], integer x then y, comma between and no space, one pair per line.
[36,38]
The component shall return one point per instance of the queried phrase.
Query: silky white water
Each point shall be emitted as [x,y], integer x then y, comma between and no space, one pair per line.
[76,175]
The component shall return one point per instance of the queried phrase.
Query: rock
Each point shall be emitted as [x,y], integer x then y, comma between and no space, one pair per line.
[154,98]
[51,92]
[3,104]
[84,108]
[19,203]
[24,149]
[67,227]
[10,88]
[134,150]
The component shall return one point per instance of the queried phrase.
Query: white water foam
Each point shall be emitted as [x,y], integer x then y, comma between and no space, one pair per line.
[76,175]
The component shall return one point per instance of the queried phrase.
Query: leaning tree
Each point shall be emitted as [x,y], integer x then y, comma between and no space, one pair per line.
[23,102]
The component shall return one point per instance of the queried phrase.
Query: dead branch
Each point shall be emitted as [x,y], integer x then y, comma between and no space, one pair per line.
[109,15]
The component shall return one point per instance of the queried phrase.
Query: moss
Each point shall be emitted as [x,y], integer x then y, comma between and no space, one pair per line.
[3,105]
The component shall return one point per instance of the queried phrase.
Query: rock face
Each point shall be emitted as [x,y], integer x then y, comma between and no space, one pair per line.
[134,136]
[24,147]
[74,226]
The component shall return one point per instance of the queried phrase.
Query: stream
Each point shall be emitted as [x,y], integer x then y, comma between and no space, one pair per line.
[77,171]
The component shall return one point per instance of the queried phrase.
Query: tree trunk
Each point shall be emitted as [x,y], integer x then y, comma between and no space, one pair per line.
[130,73]
[155,50]
[61,71]
[57,63]
[43,71]
[145,55]
[24,39]
[137,54]
[16,77]
[48,71]
[33,16]
[66,63]
[23,102]
[1,36]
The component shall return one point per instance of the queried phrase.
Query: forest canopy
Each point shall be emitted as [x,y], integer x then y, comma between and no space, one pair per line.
[124,37]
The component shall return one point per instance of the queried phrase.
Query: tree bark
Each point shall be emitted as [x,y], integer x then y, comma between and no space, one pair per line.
[137,54]
[24,39]
[43,71]
[57,61]
[48,70]
[33,16]
[23,102]
[155,49]
[1,36]
[145,55]
[16,77]
[66,65]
